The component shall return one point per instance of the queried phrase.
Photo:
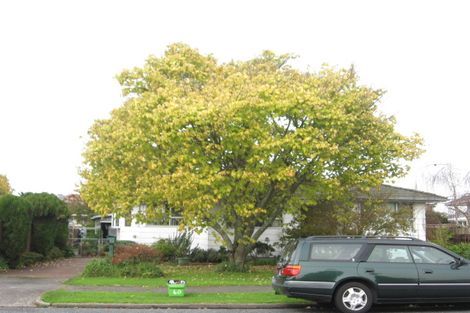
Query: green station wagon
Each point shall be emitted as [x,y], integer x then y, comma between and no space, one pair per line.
[356,272]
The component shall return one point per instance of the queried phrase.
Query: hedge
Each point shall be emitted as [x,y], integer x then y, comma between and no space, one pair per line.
[40,218]
[15,222]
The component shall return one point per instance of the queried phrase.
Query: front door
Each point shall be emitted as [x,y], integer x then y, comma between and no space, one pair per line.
[392,269]
[438,275]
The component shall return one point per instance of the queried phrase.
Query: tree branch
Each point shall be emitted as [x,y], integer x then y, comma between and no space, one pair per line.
[219,229]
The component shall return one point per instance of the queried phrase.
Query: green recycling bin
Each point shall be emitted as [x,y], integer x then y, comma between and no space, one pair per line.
[176,288]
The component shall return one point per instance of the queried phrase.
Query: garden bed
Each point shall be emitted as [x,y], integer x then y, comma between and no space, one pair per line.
[195,275]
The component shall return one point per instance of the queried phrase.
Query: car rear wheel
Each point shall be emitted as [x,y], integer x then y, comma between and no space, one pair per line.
[353,297]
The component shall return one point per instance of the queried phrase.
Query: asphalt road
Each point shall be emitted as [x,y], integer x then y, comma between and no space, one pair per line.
[377,309]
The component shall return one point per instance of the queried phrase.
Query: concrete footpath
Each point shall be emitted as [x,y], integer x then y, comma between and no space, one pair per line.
[21,288]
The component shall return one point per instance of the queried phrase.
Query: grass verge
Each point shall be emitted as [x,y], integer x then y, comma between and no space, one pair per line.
[63,296]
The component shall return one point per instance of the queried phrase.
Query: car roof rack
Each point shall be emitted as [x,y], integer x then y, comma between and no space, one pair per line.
[365,237]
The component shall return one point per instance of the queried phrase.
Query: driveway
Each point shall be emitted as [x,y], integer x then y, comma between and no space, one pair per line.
[22,287]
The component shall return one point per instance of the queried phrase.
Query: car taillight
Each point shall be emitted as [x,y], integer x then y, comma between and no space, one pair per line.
[291,270]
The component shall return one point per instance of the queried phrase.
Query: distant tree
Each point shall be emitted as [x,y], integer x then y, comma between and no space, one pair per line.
[5,187]
[236,145]
[79,210]
[457,183]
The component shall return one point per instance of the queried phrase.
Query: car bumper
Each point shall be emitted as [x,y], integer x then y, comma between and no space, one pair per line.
[318,291]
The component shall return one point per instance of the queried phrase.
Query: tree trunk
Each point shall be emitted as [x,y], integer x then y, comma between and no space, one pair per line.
[239,255]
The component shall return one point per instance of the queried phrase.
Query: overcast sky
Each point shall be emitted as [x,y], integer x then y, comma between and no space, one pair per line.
[58,60]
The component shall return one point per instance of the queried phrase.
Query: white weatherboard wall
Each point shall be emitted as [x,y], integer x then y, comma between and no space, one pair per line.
[207,239]
[419,221]
[148,234]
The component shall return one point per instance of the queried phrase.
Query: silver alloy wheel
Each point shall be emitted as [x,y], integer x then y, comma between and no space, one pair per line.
[354,298]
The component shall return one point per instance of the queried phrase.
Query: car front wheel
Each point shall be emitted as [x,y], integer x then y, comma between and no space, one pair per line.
[353,297]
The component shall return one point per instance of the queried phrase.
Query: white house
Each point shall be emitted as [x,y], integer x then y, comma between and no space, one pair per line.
[457,208]
[396,197]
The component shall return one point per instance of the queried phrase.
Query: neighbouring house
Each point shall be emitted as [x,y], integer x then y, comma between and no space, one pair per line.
[147,233]
[458,209]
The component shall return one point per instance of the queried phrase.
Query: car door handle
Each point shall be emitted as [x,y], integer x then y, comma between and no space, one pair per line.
[428,271]
[369,270]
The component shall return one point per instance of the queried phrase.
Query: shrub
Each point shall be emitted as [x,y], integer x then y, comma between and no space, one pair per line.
[54,253]
[105,268]
[265,261]
[214,256]
[232,268]
[68,252]
[167,250]
[3,264]
[462,249]
[30,258]
[198,255]
[262,249]
[143,270]
[182,243]
[135,253]
[100,268]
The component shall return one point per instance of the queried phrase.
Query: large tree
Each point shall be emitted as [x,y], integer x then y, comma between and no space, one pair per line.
[236,145]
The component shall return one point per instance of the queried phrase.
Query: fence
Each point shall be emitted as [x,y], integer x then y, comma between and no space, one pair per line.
[88,241]
[457,233]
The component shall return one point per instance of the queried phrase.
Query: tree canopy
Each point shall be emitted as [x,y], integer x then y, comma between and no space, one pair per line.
[5,187]
[235,145]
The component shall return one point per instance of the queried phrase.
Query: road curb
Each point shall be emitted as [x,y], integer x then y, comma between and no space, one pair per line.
[170,306]
[41,304]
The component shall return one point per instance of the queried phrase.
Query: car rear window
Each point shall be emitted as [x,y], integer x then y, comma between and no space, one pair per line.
[333,251]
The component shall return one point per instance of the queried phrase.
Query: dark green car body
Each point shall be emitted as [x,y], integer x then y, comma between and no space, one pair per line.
[400,270]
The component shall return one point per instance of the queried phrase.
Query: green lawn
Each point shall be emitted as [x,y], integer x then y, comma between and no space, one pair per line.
[194,275]
[62,296]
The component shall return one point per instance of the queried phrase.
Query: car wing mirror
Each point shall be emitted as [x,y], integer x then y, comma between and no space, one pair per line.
[458,263]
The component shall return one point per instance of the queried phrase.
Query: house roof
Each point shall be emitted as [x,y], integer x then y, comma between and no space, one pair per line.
[97,217]
[400,194]
[462,201]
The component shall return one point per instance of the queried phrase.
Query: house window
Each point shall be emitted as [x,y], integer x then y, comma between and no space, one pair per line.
[393,206]
[175,217]
[169,217]
[278,222]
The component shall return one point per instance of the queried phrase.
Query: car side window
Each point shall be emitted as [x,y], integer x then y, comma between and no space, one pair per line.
[390,254]
[430,255]
[337,252]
